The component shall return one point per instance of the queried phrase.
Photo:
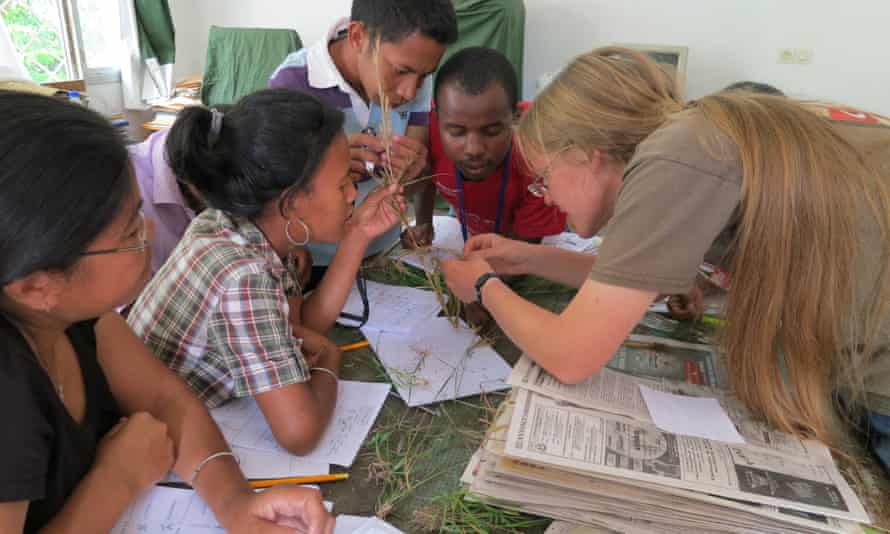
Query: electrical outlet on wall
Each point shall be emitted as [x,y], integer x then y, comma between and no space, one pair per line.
[795,56]
[786,55]
[803,56]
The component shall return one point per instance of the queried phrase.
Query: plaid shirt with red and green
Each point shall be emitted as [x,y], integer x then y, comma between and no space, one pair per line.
[217,312]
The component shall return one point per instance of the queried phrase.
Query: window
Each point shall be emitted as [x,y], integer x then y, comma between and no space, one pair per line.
[61,40]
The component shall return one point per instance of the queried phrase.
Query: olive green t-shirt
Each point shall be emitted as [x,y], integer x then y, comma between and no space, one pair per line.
[678,204]
[677,197]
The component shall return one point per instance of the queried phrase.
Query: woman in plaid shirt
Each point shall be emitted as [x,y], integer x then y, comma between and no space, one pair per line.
[225,311]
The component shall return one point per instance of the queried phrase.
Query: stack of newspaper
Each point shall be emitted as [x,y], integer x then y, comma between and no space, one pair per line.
[591,454]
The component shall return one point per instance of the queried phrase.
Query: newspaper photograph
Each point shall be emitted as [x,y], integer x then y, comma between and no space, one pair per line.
[619,394]
[546,431]
[664,358]
[655,324]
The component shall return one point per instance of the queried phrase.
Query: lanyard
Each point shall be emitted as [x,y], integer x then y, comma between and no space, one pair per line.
[362,319]
[505,177]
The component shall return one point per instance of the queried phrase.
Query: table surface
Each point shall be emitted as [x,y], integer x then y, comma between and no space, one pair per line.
[409,467]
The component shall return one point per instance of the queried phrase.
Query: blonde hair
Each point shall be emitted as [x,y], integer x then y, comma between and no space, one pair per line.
[609,99]
[793,338]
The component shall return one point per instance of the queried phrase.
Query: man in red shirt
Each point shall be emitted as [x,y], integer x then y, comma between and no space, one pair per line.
[476,167]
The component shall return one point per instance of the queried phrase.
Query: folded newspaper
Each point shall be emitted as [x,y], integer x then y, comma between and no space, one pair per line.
[590,454]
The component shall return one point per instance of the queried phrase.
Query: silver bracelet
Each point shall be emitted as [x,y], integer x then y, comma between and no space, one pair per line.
[325,370]
[204,462]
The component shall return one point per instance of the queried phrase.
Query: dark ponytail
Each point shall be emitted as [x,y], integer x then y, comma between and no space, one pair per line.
[270,142]
[64,174]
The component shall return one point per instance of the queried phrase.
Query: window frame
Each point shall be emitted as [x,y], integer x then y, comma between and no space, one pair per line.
[73,48]
[71,22]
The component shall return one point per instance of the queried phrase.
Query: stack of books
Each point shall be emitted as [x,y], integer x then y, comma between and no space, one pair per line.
[592,454]
[187,93]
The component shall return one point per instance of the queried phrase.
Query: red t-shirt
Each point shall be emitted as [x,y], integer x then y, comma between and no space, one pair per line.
[524,216]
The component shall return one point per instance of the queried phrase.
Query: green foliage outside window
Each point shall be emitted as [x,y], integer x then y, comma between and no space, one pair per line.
[35,32]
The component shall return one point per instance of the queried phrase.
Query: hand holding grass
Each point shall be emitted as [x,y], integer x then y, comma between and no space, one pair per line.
[378,213]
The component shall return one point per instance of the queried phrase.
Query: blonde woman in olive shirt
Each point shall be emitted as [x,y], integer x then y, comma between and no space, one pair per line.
[801,193]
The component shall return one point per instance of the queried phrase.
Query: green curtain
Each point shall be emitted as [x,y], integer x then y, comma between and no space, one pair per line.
[498,24]
[157,36]
[240,61]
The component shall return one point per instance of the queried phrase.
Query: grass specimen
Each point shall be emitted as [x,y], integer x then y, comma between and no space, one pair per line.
[454,513]
[387,176]
[400,459]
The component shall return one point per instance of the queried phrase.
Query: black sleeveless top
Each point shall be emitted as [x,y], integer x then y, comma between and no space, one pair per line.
[44,453]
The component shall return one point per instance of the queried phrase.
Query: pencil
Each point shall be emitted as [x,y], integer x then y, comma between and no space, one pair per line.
[318,479]
[354,346]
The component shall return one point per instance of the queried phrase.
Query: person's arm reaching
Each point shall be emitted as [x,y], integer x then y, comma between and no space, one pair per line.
[141,383]
[571,345]
[513,257]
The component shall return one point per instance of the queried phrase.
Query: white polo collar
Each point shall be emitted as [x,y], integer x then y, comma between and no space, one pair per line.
[322,73]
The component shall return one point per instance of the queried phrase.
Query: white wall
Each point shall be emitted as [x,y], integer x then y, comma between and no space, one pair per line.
[108,98]
[729,40]
[193,18]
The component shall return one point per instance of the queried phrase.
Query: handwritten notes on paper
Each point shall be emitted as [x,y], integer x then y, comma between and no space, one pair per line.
[163,510]
[441,363]
[392,308]
[168,510]
[358,403]
[448,243]
[276,464]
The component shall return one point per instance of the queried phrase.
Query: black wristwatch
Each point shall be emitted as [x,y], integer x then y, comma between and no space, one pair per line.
[480,282]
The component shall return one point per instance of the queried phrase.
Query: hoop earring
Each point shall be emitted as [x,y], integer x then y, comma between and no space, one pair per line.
[293,241]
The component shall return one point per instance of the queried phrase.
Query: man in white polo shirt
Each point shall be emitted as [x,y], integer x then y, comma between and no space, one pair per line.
[341,71]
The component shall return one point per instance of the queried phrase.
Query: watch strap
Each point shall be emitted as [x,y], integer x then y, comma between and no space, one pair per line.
[480,283]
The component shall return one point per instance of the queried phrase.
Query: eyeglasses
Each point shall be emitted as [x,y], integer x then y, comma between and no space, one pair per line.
[541,184]
[143,242]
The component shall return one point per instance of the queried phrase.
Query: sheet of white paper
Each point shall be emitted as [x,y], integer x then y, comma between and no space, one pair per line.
[164,510]
[574,242]
[352,524]
[233,417]
[702,417]
[434,364]
[392,308]
[447,243]
[358,403]
[277,464]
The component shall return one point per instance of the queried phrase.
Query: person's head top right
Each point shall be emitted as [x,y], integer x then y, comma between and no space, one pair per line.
[412,35]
